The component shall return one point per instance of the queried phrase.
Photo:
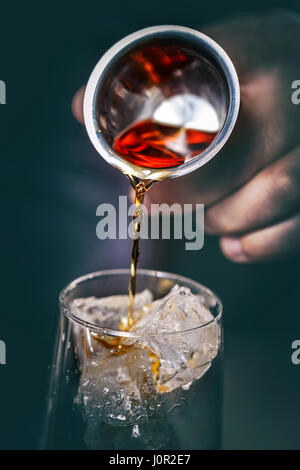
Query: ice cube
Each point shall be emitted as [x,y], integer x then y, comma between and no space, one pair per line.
[118,390]
[108,311]
[180,330]
[180,310]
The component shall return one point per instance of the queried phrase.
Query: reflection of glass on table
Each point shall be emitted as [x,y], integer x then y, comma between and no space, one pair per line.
[138,389]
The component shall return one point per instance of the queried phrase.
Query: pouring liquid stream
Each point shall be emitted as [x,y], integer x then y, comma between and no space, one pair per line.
[140,188]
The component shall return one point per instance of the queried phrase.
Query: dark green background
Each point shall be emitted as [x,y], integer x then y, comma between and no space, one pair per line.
[52,182]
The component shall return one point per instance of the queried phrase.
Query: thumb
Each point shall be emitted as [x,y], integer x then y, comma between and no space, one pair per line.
[77,104]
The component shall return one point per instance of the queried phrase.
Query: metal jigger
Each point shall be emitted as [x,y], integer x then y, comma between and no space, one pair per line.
[126,87]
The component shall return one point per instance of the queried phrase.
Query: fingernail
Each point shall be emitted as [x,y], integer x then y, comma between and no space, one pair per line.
[232,248]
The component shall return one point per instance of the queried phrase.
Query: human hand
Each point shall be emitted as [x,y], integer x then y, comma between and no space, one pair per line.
[251,189]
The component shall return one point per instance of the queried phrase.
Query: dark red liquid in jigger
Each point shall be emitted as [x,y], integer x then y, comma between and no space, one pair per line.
[150,144]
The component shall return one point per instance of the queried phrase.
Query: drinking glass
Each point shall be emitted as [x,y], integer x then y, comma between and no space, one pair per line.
[187,417]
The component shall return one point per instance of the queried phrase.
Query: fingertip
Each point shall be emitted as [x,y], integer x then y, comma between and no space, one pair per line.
[77,104]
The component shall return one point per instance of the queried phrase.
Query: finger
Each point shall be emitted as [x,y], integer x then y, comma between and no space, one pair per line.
[77,104]
[270,243]
[272,195]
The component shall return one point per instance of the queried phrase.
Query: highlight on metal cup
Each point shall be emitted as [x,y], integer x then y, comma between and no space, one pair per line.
[172,74]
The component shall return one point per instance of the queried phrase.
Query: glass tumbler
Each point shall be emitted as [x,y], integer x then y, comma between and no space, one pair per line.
[110,401]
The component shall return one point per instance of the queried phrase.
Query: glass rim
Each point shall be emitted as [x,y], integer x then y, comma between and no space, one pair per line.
[66,311]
